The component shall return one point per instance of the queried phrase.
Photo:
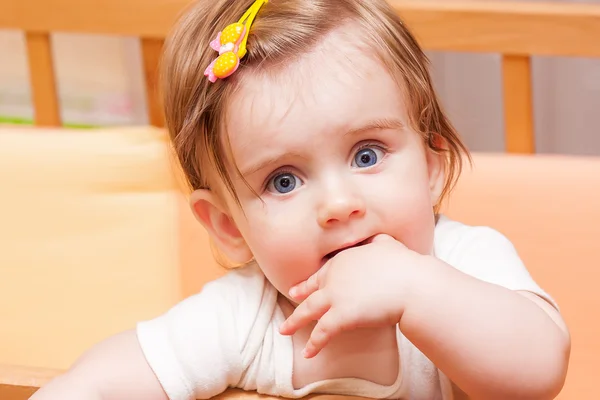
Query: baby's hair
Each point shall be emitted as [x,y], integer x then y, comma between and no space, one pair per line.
[283,31]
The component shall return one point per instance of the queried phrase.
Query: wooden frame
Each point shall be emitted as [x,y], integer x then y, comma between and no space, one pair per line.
[19,383]
[515,30]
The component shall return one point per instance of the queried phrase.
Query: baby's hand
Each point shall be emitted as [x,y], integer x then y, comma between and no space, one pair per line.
[364,286]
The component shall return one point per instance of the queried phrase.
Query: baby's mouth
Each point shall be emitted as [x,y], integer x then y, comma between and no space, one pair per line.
[329,256]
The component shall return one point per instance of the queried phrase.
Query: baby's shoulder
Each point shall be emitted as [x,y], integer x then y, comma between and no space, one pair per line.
[239,289]
[202,344]
[245,280]
[453,238]
[484,253]
[231,303]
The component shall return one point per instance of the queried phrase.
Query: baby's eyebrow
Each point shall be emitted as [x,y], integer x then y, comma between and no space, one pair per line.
[377,124]
[275,160]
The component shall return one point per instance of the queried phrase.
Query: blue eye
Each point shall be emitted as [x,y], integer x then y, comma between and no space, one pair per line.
[284,183]
[367,157]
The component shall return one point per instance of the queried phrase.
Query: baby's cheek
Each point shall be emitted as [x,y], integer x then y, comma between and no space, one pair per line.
[414,225]
[286,256]
[419,240]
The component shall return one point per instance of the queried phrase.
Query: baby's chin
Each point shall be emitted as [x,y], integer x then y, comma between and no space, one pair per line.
[284,296]
[286,304]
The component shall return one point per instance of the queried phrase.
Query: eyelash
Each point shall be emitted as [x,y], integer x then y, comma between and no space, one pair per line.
[287,170]
[281,171]
[365,145]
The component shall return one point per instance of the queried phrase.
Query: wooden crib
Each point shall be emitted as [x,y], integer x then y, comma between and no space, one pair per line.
[515,30]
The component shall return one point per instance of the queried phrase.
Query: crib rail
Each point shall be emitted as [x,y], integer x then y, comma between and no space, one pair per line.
[517,31]
[19,383]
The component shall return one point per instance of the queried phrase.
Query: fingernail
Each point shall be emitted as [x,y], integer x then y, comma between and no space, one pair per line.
[305,353]
[293,292]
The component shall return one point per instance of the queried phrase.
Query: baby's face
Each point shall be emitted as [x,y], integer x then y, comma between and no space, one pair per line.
[328,147]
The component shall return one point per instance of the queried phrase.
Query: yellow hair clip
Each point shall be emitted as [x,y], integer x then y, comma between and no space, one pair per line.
[231,45]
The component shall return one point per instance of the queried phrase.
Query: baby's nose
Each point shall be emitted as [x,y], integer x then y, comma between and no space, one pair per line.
[340,208]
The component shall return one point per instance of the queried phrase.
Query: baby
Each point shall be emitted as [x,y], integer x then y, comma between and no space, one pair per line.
[318,156]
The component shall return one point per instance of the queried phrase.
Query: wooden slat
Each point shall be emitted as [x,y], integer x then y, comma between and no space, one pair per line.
[504,27]
[518,107]
[140,18]
[19,383]
[42,78]
[482,26]
[151,54]
[12,392]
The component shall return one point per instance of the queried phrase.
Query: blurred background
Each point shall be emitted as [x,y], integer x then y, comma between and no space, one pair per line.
[101,83]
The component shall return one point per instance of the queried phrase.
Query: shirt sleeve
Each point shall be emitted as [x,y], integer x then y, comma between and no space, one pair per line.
[488,255]
[193,348]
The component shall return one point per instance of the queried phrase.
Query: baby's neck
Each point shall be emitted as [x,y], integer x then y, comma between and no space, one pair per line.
[369,354]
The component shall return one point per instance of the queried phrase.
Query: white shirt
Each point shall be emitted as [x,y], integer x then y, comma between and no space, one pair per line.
[228,334]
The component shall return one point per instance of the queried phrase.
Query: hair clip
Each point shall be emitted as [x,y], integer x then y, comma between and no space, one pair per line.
[231,45]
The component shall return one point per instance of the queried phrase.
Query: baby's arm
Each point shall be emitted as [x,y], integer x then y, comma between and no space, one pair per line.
[114,369]
[491,341]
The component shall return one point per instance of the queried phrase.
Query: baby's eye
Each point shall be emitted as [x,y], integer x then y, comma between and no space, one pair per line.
[367,157]
[284,183]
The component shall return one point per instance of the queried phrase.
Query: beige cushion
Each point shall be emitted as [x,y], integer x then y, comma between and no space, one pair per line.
[94,235]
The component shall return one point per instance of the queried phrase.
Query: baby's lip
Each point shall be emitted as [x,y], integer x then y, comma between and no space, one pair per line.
[356,243]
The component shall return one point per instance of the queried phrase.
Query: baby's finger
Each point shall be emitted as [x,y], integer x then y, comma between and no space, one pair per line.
[328,326]
[382,237]
[304,289]
[309,310]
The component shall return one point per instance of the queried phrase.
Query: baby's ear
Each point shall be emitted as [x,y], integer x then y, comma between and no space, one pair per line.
[436,169]
[213,215]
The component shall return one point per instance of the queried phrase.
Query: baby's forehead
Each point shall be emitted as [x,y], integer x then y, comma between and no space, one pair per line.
[340,80]
[343,52]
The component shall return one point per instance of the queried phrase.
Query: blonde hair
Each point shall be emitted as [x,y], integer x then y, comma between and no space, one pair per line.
[283,31]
